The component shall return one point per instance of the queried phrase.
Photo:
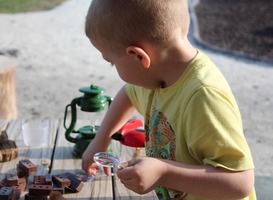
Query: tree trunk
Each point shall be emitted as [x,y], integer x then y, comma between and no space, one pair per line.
[8,108]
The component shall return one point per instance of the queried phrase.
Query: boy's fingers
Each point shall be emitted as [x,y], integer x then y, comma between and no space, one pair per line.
[123,165]
[107,170]
[92,170]
[125,170]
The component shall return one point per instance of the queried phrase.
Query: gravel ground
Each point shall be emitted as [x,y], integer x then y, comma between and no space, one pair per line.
[244,27]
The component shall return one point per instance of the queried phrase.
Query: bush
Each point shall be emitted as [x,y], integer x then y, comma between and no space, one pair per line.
[17,6]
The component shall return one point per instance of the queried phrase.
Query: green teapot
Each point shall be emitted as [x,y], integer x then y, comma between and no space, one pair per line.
[91,101]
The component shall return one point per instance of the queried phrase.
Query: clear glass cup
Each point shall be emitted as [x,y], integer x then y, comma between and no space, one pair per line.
[36,133]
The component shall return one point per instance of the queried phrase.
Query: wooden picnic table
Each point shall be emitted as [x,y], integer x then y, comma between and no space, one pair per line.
[59,159]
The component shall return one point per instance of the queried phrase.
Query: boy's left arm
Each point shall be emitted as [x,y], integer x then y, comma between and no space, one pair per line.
[145,174]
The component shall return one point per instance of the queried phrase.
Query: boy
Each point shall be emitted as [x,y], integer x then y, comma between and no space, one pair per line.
[194,137]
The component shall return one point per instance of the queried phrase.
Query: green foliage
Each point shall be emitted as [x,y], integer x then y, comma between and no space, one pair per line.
[17,6]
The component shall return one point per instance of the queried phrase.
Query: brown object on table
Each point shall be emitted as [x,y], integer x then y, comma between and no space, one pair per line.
[54,195]
[40,189]
[39,180]
[22,184]
[3,183]
[27,165]
[22,173]
[8,185]
[61,180]
[76,185]
[16,193]
[6,193]
[35,197]
[59,189]
[8,148]
[12,179]
[8,109]
[3,136]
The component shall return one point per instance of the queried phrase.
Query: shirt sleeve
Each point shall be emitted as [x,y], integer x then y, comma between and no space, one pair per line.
[213,130]
[134,94]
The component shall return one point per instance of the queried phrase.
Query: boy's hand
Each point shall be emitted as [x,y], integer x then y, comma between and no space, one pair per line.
[142,175]
[88,164]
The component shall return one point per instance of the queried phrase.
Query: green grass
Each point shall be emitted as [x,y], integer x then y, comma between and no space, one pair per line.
[18,6]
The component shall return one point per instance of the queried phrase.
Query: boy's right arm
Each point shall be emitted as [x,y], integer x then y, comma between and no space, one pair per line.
[119,112]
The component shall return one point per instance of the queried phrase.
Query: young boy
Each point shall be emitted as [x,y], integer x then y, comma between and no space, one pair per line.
[195,144]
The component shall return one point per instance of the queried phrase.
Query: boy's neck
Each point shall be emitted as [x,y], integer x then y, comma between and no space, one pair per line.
[173,61]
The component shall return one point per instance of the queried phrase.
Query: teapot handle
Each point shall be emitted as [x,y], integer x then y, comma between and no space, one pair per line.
[72,125]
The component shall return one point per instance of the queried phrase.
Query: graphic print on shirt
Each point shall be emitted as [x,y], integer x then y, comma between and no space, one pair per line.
[160,143]
[160,137]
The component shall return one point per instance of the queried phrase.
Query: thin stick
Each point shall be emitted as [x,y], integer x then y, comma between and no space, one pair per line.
[113,183]
[53,152]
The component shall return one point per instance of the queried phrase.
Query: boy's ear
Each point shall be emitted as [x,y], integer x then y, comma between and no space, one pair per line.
[140,55]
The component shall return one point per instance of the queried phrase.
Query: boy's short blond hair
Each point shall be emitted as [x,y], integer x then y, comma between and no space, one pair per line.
[122,23]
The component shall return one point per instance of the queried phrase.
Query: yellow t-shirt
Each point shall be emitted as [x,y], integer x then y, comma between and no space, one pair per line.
[195,121]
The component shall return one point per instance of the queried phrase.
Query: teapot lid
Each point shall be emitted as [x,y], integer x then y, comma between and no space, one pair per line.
[93,89]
